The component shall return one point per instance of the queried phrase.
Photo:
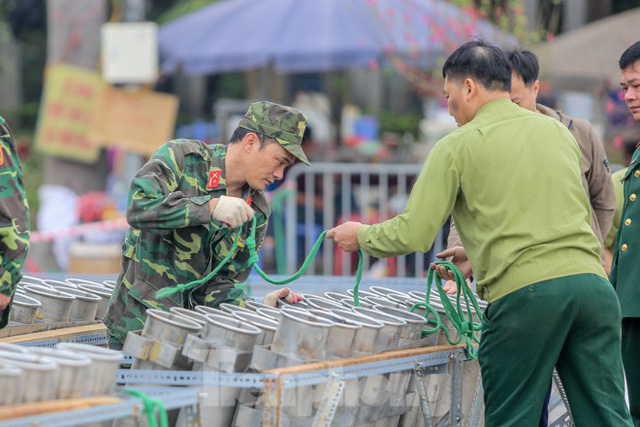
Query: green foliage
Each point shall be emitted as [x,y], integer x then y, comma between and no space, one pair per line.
[232,85]
[398,123]
[183,8]
[24,117]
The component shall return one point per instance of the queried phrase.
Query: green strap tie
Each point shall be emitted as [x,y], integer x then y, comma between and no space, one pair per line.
[150,404]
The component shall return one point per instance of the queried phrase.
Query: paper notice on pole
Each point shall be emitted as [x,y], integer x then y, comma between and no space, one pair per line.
[130,52]
[138,121]
[70,98]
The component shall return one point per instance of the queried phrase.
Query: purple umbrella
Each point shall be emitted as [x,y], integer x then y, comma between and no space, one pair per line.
[317,35]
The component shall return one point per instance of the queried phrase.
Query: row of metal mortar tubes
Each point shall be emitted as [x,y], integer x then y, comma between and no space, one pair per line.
[256,338]
[39,300]
[66,371]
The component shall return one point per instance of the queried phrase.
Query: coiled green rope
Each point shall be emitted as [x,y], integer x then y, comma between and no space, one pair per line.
[465,326]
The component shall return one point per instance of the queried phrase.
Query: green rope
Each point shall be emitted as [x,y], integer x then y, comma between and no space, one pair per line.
[170,290]
[356,288]
[150,404]
[465,326]
[253,259]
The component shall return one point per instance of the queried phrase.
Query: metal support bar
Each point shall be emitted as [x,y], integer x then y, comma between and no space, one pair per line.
[171,399]
[456,390]
[272,393]
[330,400]
[93,339]
[433,363]
[192,416]
[564,421]
[189,378]
[368,369]
[477,407]
[422,393]
[563,394]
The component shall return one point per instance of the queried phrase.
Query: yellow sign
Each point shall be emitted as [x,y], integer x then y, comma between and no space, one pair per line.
[139,121]
[70,97]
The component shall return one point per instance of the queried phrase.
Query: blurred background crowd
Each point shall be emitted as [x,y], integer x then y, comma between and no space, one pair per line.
[93,87]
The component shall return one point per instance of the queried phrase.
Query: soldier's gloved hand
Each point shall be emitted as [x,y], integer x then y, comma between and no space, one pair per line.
[232,210]
[271,299]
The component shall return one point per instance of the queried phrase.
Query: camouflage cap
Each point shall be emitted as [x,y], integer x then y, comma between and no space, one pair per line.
[284,124]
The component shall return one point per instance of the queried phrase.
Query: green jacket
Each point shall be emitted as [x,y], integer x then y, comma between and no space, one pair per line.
[14,218]
[173,238]
[511,178]
[615,224]
[625,268]
[596,178]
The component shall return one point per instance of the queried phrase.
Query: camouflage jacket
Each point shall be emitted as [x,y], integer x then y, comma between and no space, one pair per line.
[174,239]
[14,217]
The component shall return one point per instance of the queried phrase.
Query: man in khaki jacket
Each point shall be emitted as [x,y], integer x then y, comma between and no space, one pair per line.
[596,177]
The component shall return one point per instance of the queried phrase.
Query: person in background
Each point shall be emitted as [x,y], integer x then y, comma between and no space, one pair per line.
[185,207]
[629,146]
[14,221]
[625,267]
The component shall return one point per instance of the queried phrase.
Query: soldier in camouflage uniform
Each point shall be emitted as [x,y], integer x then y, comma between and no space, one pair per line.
[184,205]
[14,222]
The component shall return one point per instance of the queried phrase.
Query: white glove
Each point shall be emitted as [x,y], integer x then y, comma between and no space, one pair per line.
[233,211]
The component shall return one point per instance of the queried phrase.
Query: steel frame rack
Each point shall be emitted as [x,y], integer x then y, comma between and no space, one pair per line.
[271,382]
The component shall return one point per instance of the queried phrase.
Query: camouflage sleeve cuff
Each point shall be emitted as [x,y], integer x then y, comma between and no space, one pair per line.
[199,211]
[8,278]
[7,289]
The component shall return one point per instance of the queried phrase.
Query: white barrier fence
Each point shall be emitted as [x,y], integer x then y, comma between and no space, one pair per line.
[326,194]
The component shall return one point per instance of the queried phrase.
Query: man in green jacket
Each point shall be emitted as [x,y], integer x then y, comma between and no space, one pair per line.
[629,147]
[185,206]
[625,268]
[596,178]
[511,178]
[14,221]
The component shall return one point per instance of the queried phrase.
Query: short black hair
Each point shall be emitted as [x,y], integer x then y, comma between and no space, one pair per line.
[240,133]
[631,55]
[525,64]
[481,61]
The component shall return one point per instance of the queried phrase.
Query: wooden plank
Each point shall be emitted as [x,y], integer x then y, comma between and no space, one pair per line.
[37,408]
[14,329]
[358,360]
[61,334]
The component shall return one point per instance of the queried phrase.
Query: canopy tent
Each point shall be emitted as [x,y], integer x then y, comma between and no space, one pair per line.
[317,35]
[589,55]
